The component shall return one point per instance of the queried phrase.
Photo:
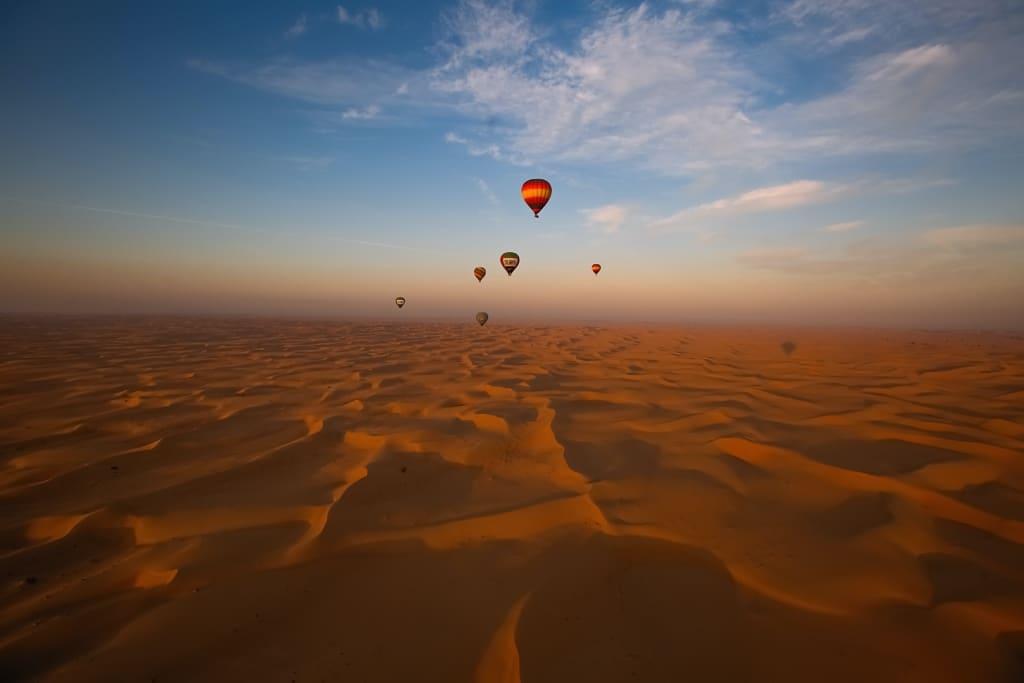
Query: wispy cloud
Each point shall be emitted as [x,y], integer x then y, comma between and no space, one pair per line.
[364,114]
[608,218]
[773,198]
[370,18]
[298,28]
[843,227]
[355,83]
[671,90]
[491,150]
[639,85]
[487,191]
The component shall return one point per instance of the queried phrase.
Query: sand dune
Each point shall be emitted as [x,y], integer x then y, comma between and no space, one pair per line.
[254,500]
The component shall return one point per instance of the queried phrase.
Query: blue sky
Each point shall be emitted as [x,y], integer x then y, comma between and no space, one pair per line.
[836,161]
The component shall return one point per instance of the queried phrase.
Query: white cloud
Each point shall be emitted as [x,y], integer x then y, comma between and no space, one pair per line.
[296,29]
[668,90]
[608,218]
[368,18]
[932,96]
[477,29]
[364,114]
[643,86]
[346,82]
[774,198]
[487,191]
[843,227]
[490,150]
[854,35]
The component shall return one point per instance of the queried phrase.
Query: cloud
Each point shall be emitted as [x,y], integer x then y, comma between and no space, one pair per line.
[364,114]
[347,82]
[476,29]
[649,87]
[924,98]
[673,91]
[773,198]
[670,91]
[298,28]
[777,197]
[368,18]
[491,150]
[487,191]
[843,227]
[854,35]
[608,218]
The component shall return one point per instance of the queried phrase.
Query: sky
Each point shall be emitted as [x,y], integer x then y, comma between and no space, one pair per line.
[835,162]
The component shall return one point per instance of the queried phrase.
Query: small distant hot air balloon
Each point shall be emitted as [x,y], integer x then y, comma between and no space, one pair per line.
[400,300]
[479,272]
[536,193]
[510,261]
[481,318]
[596,268]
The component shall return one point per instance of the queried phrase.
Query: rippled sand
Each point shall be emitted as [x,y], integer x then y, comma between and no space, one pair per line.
[259,500]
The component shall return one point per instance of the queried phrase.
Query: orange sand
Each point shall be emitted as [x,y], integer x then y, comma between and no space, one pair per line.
[250,500]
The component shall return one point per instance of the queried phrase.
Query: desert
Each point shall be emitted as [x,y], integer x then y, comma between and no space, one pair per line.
[233,499]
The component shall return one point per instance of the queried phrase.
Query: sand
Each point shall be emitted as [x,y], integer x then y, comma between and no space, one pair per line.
[256,500]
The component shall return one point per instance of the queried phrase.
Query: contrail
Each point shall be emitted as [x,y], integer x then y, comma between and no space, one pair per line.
[209,224]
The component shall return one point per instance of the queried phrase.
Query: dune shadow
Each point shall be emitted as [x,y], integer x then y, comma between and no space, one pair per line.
[994,497]
[630,608]
[855,515]
[886,457]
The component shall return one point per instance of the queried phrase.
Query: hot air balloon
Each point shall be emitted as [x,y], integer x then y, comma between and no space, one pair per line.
[536,193]
[479,272]
[400,300]
[596,268]
[481,318]
[510,261]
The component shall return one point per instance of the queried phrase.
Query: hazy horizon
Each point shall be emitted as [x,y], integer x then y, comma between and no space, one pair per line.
[838,163]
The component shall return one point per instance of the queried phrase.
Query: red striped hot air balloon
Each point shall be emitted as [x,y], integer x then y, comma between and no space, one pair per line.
[596,268]
[479,272]
[536,193]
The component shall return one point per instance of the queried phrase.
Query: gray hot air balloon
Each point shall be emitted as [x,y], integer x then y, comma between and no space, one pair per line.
[481,318]
[400,300]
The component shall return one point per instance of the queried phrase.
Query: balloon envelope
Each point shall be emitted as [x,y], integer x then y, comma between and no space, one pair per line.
[481,318]
[479,272]
[536,193]
[510,261]
[596,268]
[400,300]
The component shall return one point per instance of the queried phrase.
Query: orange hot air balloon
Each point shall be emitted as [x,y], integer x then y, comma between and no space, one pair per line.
[536,193]
[479,272]
[596,268]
